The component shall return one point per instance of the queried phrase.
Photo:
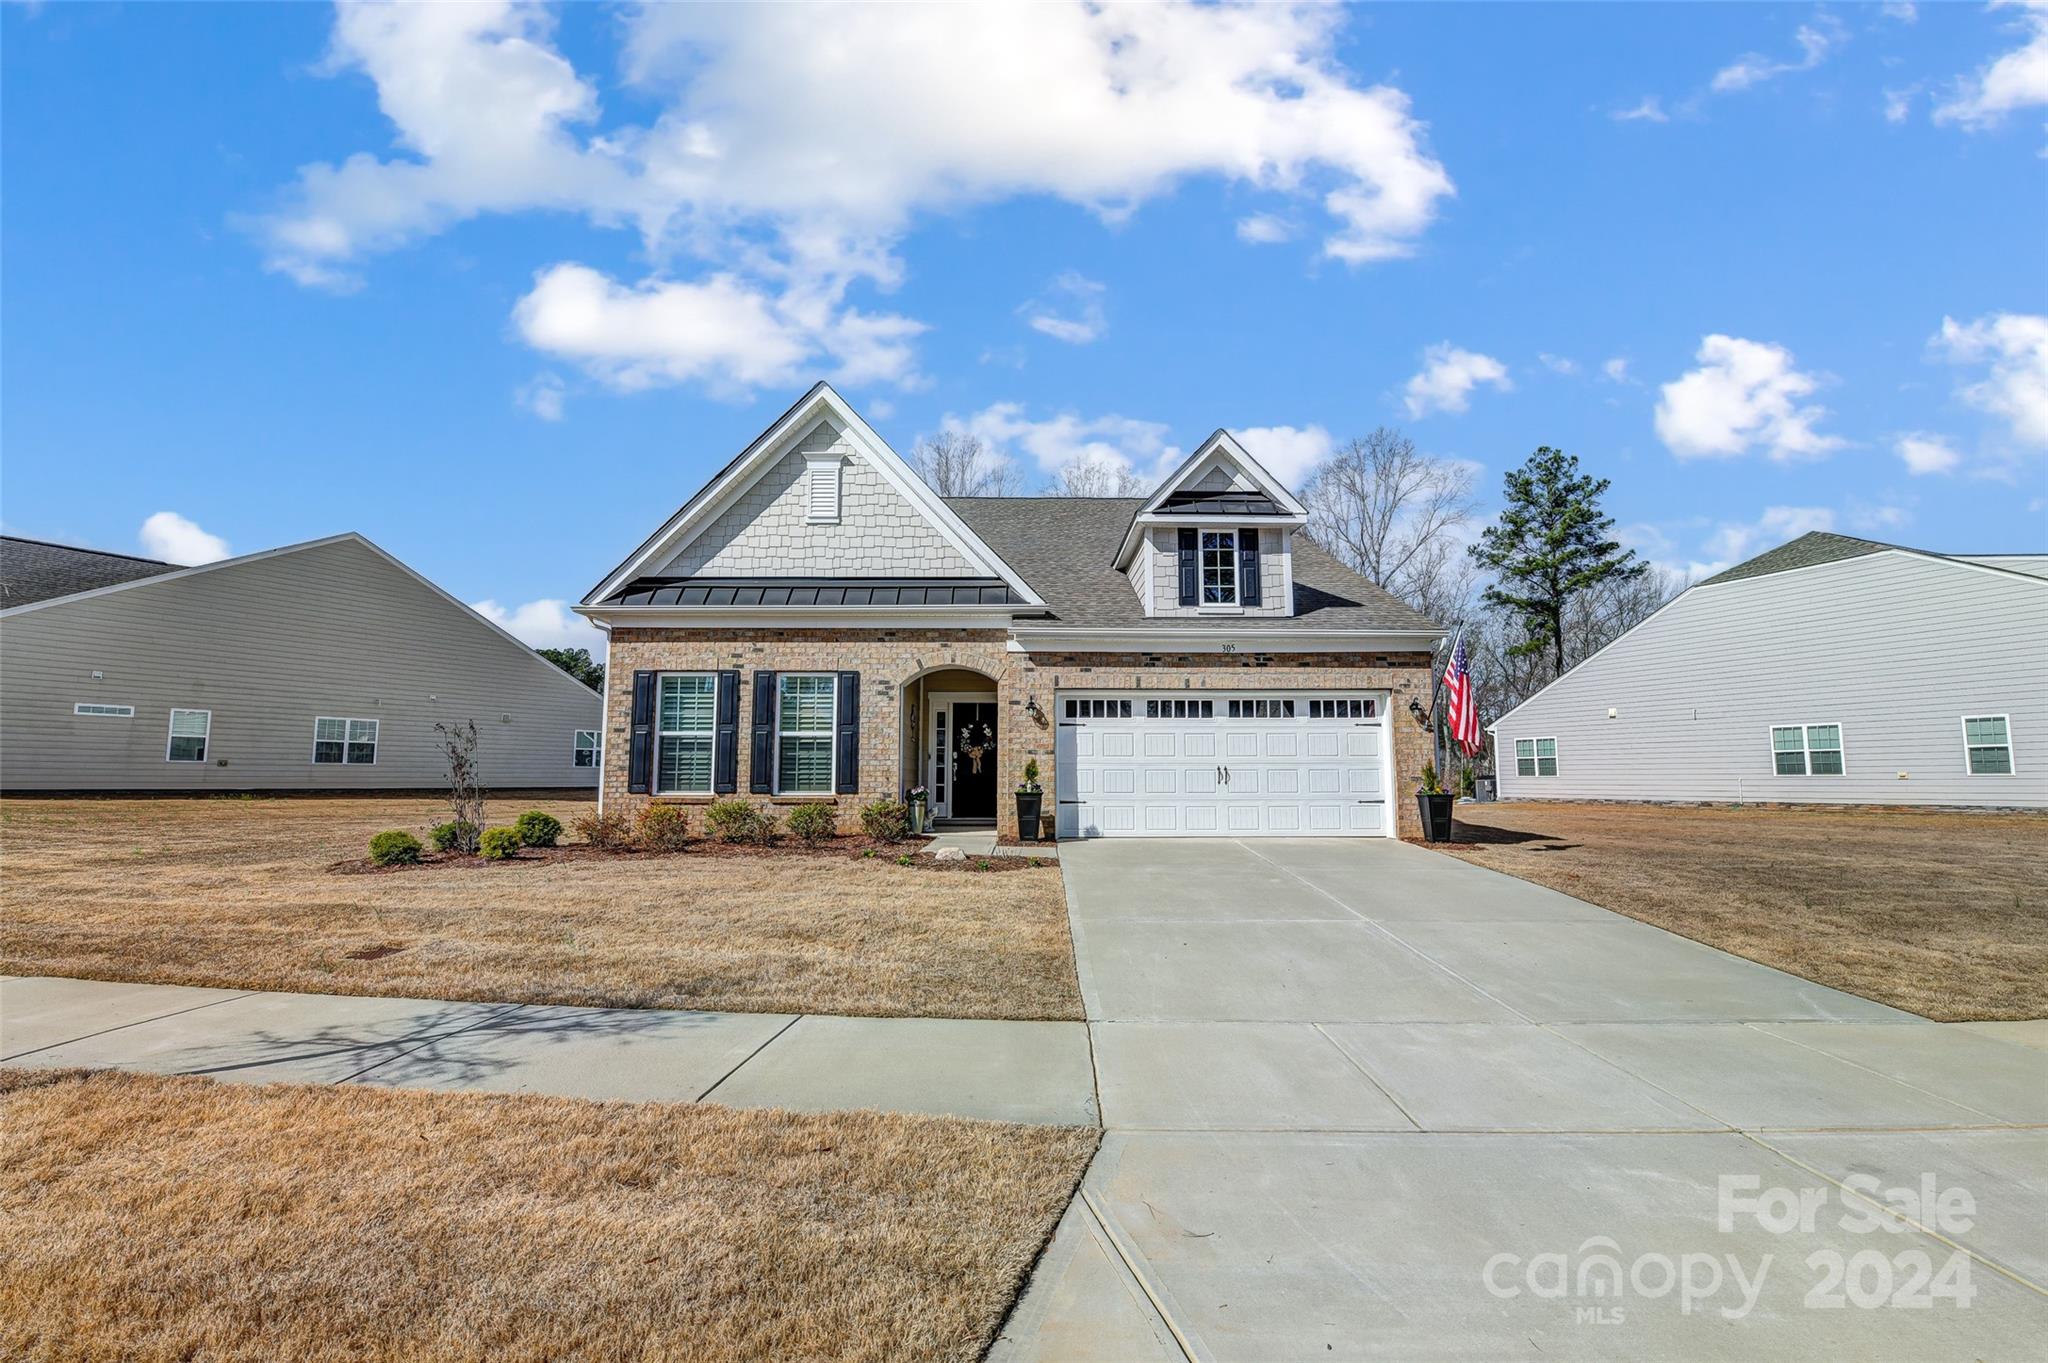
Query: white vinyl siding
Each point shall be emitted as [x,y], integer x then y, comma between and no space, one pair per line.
[345,742]
[805,713]
[686,722]
[1535,757]
[1892,647]
[190,730]
[586,751]
[1987,745]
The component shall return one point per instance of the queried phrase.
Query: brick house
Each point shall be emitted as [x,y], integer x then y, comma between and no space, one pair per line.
[816,623]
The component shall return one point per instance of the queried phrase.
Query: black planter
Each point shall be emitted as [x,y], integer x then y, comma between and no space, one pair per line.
[1028,802]
[1436,816]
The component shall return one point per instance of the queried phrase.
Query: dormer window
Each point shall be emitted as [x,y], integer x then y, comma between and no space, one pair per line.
[1219,568]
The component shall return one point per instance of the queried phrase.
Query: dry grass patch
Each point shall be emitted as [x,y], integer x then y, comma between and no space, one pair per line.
[1942,914]
[235,893]
[158,1219]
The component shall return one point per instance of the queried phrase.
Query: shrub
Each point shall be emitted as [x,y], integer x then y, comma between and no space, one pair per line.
[499,843]
[738,821]
[395,847]
[537,828]
[905,859]
[664,828]
[813,823]
[1029,785]
[610,830]
[885,820]
[457,835]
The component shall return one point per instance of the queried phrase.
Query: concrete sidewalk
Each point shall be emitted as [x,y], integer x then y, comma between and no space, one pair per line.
[1340,1077]
[1004,1071]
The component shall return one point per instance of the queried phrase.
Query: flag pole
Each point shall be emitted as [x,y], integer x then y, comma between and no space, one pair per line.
[1436,713]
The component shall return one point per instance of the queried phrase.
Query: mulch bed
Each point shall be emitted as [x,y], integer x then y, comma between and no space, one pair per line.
[848,848]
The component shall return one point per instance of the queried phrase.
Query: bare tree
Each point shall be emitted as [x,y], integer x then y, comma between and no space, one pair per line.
[957,464]
[1393,513]
[1086,477]
[465,783]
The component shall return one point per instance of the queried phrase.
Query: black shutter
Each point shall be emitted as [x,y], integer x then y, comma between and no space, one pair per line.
[1190,567]
[848,765]
[640,754]
[761,780]
[725,769]
[1248,567]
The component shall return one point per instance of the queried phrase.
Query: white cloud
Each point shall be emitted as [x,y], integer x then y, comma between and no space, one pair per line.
[543,395]
[169,536]
[1898,104]
[1733,541]
[1815,41]
[1289,453]
[1447,378]
[1559,364]
[2015,347]
[546,623]
[1926,453]
[1265,229]
[2016,80]
[1649,110]
[1905,13]
[1070,310]
[1744,395]
[1115,442]
[772,164]
[1616,370]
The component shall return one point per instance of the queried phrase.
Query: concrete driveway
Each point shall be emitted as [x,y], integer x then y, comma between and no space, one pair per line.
[1366,1101]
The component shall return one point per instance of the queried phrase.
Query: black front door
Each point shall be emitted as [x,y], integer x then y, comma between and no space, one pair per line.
[974,760]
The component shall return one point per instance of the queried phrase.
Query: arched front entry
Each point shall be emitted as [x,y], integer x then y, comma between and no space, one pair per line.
[951,727]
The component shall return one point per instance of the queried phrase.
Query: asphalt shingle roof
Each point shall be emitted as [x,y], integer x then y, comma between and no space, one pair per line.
[1064,548]
[1816,546]
[36,570]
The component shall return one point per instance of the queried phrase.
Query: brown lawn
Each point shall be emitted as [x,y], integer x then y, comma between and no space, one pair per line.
[1942,914]
[158,1218]
[236,893]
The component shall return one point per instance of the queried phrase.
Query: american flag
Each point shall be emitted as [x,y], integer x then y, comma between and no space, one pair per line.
[1460,709]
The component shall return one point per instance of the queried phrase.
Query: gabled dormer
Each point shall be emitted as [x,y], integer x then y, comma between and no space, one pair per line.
[1215,539]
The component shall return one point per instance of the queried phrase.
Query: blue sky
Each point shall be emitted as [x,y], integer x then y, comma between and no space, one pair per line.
[499,287]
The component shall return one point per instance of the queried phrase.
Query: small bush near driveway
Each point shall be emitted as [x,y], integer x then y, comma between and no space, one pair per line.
[664,828]
[184,1218]
[885,820]
[394,847]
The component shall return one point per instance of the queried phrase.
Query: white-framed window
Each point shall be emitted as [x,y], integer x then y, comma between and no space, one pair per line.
[1219,567]
[1535,757]
[1987,745]
[338,741]
[685,732]
[806,711]
[586,748]
[87,707]
[190,731]
[1806,749]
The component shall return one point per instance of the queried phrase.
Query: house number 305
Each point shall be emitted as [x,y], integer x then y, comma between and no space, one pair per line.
[1230,648]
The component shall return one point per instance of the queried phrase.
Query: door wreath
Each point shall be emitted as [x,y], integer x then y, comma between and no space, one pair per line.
[975,746]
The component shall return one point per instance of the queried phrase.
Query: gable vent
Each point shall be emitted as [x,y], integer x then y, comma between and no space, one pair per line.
[821,489]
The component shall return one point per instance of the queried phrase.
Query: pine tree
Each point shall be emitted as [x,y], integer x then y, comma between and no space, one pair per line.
[1550,544]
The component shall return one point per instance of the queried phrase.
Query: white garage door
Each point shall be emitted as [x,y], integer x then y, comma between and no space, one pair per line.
[1283,764]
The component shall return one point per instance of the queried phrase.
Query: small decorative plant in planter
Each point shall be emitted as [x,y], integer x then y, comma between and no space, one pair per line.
[918,800]
[1030,798]
[1435,803]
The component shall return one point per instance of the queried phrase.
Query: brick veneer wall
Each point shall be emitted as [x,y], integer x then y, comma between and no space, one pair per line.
[888,659]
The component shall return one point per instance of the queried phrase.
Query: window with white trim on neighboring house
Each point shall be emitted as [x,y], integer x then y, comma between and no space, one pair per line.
[103,711]
[1219,567]
[685,728]
[586,748]
[351,742]
[1987,745]
[1806,749]
[190,731]
[805,712]
[1535,757]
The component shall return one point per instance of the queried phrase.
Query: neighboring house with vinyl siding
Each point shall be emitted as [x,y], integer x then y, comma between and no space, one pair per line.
[817,624]
[1830,670]
[318,666]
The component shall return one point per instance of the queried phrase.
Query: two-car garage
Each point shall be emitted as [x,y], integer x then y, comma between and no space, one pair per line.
[1236,764]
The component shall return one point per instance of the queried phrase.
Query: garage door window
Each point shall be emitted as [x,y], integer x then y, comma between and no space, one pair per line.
[1535,757]
[1341,707]
[1263,707]
[1099,707]
[1180,709]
